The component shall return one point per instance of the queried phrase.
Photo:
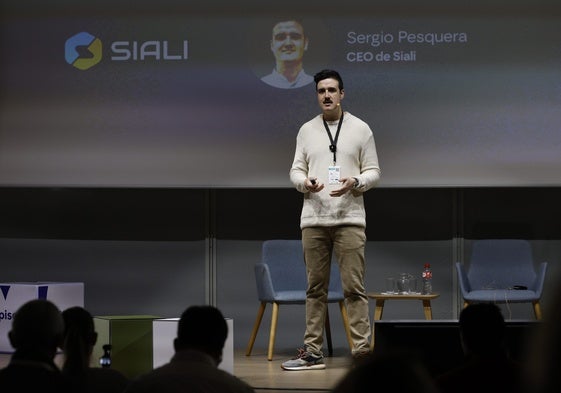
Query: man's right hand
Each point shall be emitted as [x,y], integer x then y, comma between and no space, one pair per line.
[314,185]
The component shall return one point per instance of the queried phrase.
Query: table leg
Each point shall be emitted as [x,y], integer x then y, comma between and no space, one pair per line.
[427,309]
[379,309]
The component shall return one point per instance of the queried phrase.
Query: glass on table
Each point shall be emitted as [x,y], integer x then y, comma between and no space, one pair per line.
[391,286]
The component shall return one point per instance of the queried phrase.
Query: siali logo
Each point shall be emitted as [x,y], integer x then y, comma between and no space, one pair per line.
[82,50]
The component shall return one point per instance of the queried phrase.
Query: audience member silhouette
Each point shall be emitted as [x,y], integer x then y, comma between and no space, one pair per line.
[79,340]
[396,371]
[543,368]
[487,366]
[201,334]
[36,333]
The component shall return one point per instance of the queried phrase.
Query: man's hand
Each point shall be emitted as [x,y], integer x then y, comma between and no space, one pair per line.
[348,184]
[313,185]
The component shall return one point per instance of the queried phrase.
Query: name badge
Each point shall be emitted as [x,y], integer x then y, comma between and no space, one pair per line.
[334,174]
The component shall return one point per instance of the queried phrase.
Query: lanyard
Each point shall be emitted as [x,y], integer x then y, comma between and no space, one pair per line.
[333,146]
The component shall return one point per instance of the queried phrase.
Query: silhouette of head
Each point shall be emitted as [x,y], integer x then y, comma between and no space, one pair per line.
[482,329]
[37,327]
[79,322]
[79,338]
[202,328]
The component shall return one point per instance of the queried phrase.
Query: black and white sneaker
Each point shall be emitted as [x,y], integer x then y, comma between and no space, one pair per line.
[304,361]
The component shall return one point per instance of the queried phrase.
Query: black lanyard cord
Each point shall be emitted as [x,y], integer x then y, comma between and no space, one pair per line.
[333,145]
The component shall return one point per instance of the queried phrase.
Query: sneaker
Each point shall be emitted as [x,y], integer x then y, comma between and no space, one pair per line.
[304,361]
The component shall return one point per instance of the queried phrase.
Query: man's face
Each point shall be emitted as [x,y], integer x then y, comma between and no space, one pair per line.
[288,42]
[329,94]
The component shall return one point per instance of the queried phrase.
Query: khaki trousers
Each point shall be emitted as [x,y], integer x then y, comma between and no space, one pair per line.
[347,243]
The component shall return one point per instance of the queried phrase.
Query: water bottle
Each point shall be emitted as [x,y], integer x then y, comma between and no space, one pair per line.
[105,359]
[427,280]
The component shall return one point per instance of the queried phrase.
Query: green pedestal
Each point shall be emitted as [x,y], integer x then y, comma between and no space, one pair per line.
[130,337]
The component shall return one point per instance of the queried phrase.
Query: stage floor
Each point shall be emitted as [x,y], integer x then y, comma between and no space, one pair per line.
[267,376]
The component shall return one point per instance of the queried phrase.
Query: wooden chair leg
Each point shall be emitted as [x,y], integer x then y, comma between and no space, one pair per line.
[345,318]
[537,310]
[328,333]
[274,319]
[255,328]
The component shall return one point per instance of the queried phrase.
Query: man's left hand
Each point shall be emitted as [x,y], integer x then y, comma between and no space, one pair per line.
[348,184]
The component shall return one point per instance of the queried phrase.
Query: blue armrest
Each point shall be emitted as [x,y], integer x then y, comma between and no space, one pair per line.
[537,286]
[462,278]
[265,290]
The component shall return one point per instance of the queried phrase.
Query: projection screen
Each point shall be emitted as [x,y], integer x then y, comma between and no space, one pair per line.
[164,95]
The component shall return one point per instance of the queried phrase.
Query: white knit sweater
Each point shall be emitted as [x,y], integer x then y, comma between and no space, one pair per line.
[357,157]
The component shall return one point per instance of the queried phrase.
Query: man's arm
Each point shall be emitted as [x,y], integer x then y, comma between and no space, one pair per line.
[370,172]
[299,169]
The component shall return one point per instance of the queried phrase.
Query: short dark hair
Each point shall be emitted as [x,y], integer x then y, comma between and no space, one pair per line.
[37,325]
[203,328]
[326,74]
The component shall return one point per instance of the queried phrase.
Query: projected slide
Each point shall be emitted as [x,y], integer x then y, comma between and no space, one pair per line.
[178,100]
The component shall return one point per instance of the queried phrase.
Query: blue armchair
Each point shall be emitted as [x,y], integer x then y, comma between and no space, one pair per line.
[281,279]
[502,271]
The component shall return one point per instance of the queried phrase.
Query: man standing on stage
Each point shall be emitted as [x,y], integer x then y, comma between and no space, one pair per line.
[334,163]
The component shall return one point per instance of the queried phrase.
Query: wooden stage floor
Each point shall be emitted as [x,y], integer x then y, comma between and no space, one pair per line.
[267,376]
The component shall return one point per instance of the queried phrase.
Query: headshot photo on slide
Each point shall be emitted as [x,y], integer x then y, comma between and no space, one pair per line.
[291,53]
